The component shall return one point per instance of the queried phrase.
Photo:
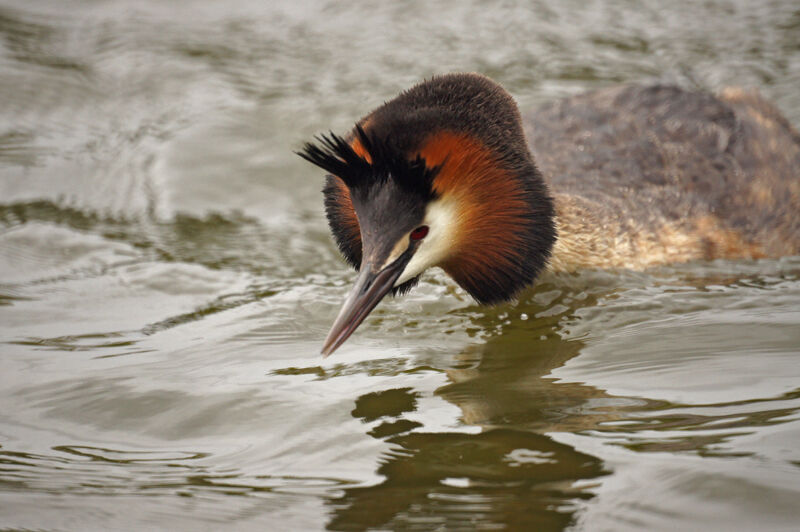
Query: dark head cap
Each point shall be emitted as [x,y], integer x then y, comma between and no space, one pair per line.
[385,193]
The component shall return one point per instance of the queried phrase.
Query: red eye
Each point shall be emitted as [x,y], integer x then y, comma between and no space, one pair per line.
[419,233]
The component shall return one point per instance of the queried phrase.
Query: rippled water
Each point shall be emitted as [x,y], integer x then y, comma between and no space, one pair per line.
[167,277]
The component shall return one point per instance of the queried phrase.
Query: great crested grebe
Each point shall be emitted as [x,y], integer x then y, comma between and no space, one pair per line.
[626,177]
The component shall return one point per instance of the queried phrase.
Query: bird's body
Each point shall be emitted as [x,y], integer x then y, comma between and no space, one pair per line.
[647,175]
[625,177]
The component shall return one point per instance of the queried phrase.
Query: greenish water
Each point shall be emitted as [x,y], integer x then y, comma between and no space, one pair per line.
[167,278]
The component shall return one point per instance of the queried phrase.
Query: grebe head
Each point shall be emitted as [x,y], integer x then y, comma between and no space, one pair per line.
[439,176]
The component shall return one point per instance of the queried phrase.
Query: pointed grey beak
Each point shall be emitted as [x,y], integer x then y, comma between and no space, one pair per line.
[369,289]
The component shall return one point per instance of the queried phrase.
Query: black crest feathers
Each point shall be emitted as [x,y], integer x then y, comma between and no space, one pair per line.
[335,155]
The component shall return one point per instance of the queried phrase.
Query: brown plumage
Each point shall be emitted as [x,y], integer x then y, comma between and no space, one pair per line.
[630,177]
[656,174]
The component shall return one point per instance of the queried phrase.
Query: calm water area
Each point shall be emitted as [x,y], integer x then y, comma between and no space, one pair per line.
[167,278]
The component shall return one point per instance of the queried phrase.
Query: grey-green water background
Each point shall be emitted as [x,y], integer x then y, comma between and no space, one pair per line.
[167,277]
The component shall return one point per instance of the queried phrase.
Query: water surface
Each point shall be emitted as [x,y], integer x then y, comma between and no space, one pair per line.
[167,277]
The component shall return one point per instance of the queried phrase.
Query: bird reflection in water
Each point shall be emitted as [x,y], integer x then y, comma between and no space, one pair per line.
[509,475]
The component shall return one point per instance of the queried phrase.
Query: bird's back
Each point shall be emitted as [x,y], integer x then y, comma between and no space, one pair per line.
[669,175]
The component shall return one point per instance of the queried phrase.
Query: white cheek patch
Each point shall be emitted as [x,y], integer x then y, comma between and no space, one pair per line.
[440,218]
[399,249]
